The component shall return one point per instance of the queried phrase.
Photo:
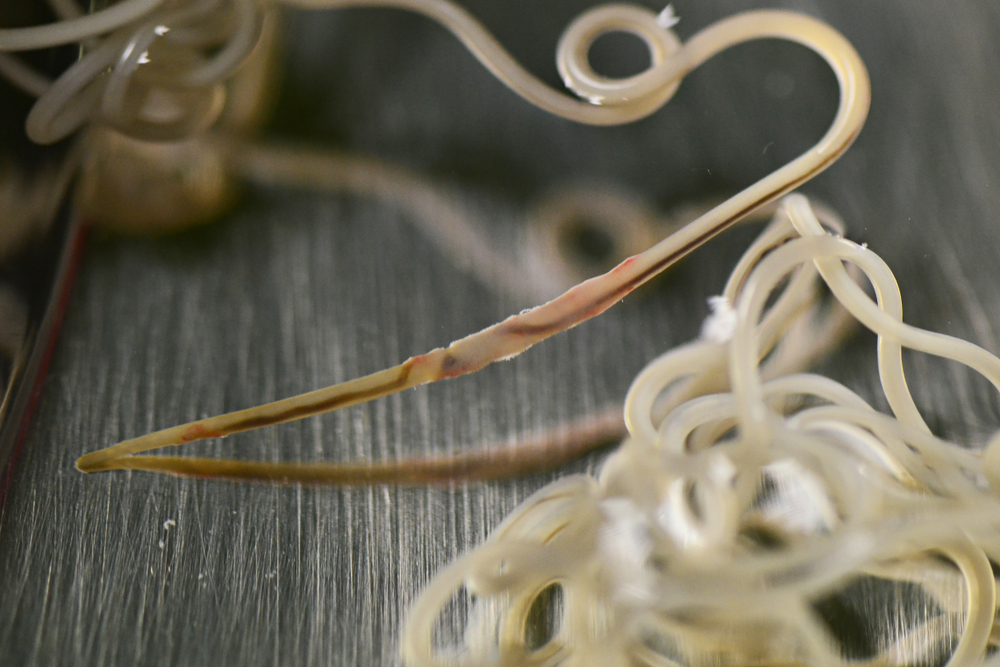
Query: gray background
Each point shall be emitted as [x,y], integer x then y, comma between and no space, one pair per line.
[295,290]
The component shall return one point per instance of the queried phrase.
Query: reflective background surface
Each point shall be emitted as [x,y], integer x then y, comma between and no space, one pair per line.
[295,290]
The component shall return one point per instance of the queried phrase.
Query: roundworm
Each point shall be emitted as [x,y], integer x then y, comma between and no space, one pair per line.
[712,533]
[590,298]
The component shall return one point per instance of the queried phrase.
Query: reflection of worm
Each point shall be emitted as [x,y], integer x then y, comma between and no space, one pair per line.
[13,323]
[519,332]
[441,218]
[535,454]
[547,264]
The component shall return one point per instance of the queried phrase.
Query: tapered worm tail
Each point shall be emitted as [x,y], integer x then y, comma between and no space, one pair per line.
[594,296]
[540,453]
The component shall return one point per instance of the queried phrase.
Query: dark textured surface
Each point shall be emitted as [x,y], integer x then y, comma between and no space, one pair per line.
[296,291]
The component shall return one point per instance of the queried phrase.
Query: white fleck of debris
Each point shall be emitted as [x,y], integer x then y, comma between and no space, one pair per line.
[802,503]
[981,481]
[721,470]
[144,58]
[201,575]
[168,524]
[161,30]
[720,325]
[864,246]
[627,544]
[161,543]
[668,17]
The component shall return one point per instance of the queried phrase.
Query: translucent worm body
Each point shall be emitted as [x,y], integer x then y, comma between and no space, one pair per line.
[624,100]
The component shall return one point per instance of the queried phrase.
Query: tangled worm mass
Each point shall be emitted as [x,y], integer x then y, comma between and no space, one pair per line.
[743,498]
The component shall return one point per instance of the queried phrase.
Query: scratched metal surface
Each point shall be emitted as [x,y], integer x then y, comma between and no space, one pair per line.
[294,291]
